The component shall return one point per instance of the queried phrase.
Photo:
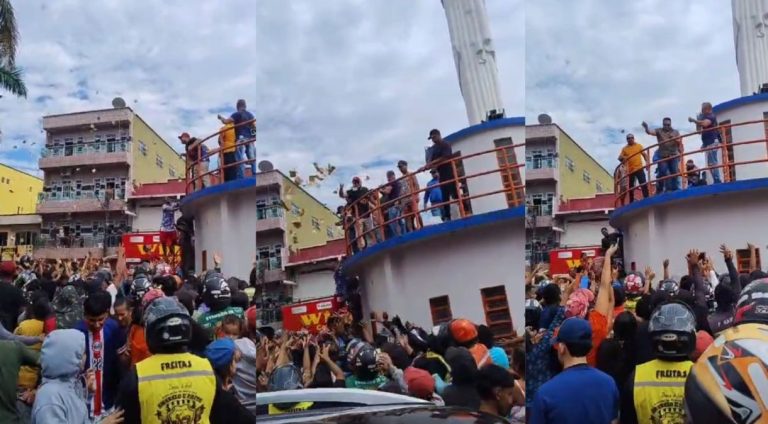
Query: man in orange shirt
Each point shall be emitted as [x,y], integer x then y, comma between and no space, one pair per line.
[632,156]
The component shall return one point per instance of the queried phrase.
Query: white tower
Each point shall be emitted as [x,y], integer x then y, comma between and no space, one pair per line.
[750,34]
[475,57]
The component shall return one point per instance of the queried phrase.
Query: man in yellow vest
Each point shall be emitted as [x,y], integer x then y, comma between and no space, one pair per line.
[655,391]
[173,385]
[228,151]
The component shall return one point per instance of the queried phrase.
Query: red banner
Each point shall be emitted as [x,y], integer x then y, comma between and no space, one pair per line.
[562,260]
[311,315]
[145,247]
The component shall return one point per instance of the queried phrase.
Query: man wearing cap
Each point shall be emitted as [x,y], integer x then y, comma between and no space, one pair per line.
[197,158]
[245,129]
[441,153]
[361,213]
[558,399]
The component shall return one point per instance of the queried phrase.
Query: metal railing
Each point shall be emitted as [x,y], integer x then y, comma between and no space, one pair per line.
[72,195]
[273,211]
[63,150]
[228,168]
[95,241]
[369,220]
[724,165]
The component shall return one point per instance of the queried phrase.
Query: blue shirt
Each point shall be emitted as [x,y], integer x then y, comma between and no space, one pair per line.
[113,339]
[242,130]
[434,195]
[169,212]
[562,399]
[709,136]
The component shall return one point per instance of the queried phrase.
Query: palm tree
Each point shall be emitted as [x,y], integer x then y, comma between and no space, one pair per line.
[10,75]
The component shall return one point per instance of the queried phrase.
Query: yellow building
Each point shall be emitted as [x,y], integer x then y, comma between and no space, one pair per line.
[91,161]
[557,169]
[18,191]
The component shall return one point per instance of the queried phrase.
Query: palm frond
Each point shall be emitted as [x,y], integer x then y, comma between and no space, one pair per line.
[9,34]
[11,81]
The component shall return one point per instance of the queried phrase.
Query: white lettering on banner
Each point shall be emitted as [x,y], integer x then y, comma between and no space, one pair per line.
[137,239]
[156,239]
[589,252]
[324,305]
[565,255]
[299,309]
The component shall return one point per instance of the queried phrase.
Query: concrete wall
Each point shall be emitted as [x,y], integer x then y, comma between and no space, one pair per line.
[669,230]
[401,280]
[481,142]
[145,168]
[579,233]
[572,184]
[750,152]
[313,284]
[18,191]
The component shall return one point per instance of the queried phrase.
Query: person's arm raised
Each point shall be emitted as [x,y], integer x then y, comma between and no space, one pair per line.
[603,303]
[666,269]
[698,280]
[733,273]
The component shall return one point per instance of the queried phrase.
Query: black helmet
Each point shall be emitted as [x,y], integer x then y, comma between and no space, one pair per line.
[417,339]
[752,305]
[139,287]
[669,286]
[26,261]
[286,377]
[365,363]
[673,330]
[353,347]
[167,324]
[216,290]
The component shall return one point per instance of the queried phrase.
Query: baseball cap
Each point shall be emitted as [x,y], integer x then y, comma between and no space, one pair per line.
[432,132]
[220,353]
[574,330]
[184,134]
[420,383]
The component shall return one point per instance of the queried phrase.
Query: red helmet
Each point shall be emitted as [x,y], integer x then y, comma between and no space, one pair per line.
[634,284]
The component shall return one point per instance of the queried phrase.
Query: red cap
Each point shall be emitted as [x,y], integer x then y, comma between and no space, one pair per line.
[250,318]
[420,383]
[184,134]
[463,330]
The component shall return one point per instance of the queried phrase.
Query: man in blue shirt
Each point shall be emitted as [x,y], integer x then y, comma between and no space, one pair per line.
[580,393]
[706,122]
[243,132]
[433,195]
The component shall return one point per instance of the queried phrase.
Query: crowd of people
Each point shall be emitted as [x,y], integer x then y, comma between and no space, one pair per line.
[458,363]
[606,346]
[372,216]
[634,159]
[86,341]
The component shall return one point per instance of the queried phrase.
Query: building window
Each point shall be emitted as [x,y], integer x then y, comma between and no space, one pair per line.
[315,224]
[569,164]
[743,259]
[171,171]
[329,232]
[497,313]
[586,177]
[599,187]
[143,148]
[295,210]
[3,239]
[441,310]
[159,161]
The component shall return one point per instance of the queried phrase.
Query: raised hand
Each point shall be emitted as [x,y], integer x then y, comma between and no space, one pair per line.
[649,274]
[727,253]
[693,257]
[611,250]
[666,263]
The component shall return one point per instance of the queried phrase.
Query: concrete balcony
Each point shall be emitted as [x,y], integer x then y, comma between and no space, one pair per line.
[270,224]
[79,119]
[541,131]
[268,179]
[541,221]
[78,205]
[273,275]
[84,159]
[541,174]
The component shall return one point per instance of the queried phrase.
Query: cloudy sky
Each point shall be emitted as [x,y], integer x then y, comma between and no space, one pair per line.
[350,82]
[600,67]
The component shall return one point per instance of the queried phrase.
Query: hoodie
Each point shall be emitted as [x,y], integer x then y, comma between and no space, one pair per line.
[61,397]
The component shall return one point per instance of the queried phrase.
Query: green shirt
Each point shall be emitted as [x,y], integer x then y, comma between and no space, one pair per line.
[210,320]
[353,383]
[12,356]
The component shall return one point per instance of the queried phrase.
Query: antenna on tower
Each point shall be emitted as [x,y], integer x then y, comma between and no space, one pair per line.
[118,103]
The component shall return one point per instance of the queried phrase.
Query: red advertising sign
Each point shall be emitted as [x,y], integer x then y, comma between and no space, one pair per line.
[145,247]
[311,315]
[562,260]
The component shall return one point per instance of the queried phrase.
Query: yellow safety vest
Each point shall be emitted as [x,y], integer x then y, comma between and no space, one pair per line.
[301,406]
[659,391]
[175,388]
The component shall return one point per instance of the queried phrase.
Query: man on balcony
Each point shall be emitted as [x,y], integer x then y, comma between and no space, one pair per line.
[631,157]
[197,157]
[670,150]
[441,160]
[706,122]
[243,132]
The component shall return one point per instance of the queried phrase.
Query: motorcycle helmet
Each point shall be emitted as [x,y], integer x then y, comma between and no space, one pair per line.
[139,287]
[752,305]
[167,324]
[669,286]
[216,293]
[673,330]
[365,363]
[727,383]
[26,262]
[417,339]
[286,377]
[634,284]
[463,331]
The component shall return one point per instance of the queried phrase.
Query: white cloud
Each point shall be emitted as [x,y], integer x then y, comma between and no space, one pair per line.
[598,67]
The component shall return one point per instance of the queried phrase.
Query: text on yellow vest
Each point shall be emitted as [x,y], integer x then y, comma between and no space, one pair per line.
[659,389]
